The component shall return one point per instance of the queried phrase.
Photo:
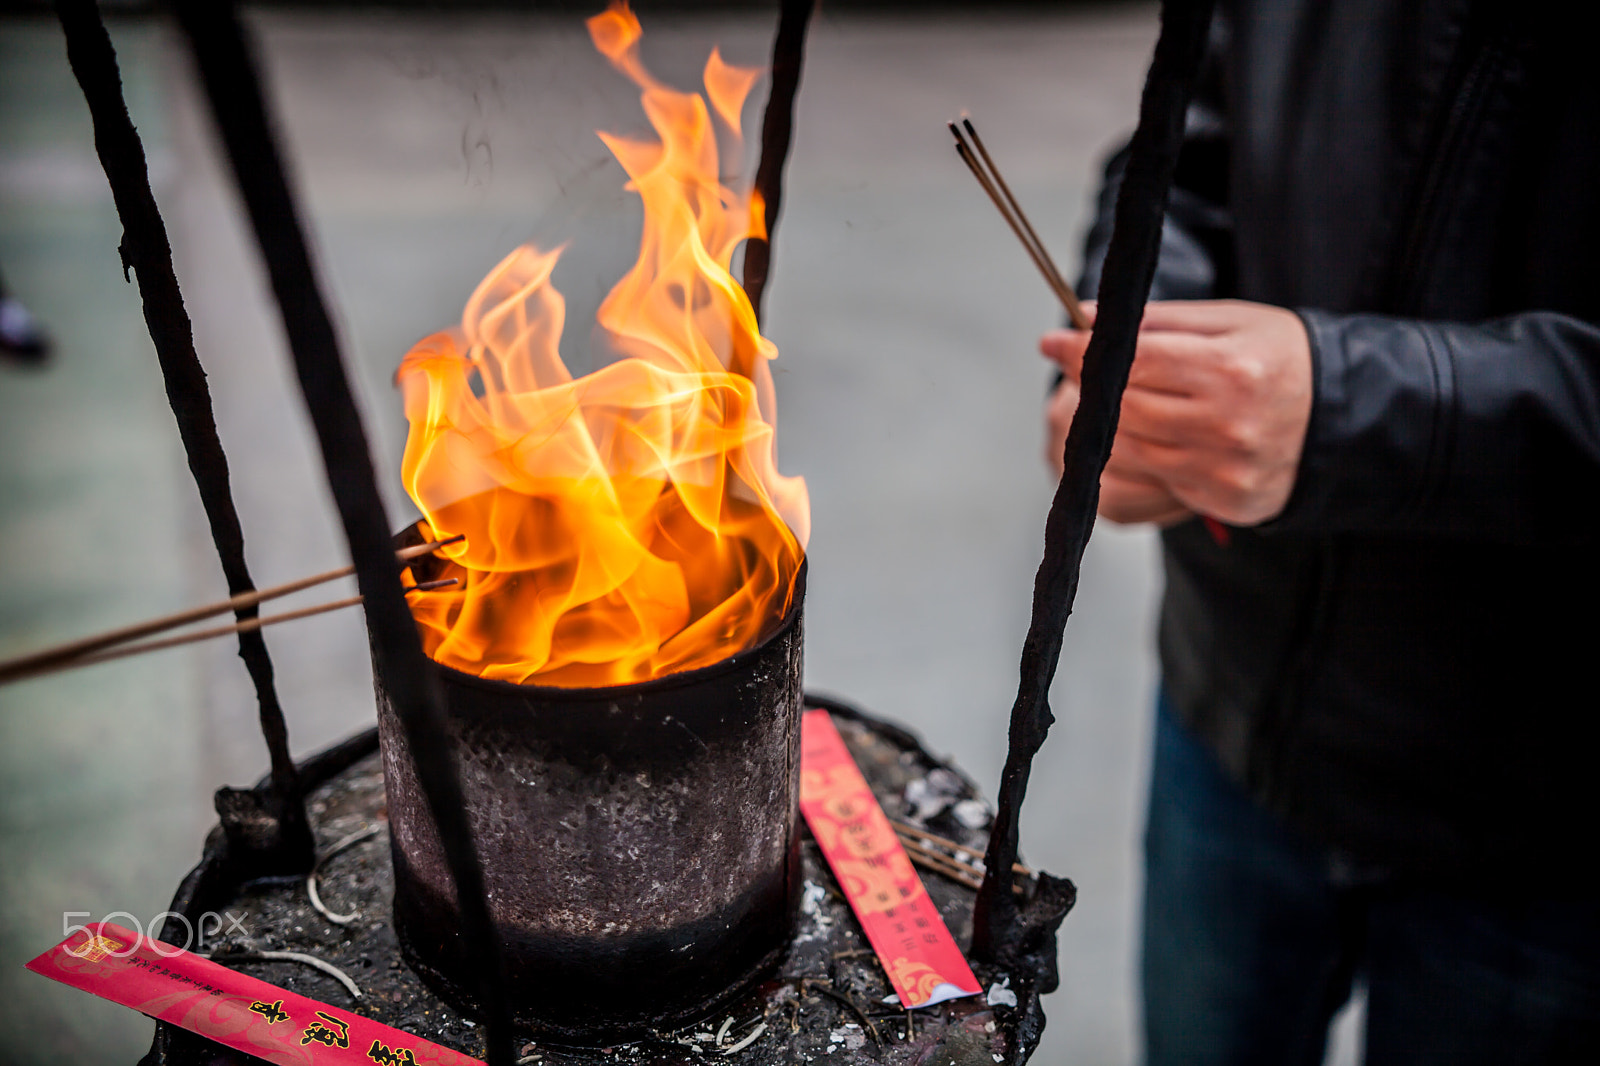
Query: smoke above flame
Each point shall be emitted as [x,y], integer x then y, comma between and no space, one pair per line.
[630,523]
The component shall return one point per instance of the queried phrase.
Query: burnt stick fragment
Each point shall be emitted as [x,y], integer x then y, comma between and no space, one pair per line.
[288,847]
[777,131]
[1003,932]
[228,71]
[817,984]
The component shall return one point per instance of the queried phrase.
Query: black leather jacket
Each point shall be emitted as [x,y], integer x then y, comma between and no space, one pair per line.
[1399,663]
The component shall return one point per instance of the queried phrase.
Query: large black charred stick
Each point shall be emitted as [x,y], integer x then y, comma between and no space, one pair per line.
[146,251]
[228,70]
[777,132]
[1002,931]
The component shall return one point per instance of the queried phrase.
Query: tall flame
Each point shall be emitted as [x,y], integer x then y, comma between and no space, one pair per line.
[630,523]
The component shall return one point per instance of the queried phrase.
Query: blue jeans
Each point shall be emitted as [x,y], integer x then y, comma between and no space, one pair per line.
[1253,937]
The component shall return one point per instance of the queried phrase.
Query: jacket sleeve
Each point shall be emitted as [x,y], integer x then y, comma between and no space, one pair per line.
[1196,260]
[1486,430]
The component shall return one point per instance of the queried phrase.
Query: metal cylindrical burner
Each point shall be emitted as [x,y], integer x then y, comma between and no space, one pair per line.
[639,843]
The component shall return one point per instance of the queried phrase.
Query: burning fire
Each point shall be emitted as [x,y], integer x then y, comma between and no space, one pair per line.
[630,523]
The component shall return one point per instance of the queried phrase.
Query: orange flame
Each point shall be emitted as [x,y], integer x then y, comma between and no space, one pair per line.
[630,523]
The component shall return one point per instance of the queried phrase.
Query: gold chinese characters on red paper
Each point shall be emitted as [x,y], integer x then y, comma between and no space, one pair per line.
[194,993]
[873,870]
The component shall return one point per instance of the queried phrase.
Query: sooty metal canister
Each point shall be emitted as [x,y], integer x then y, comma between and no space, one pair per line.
[640,843]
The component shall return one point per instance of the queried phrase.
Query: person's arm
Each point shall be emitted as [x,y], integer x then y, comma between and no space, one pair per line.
[1485,430]
[1317,422]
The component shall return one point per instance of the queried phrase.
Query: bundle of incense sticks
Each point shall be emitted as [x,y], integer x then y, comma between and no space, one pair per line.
[977,158]
[128,640]
[941,855]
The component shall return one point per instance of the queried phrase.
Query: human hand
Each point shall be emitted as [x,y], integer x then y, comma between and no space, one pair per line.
[1126,496]
[1214,417]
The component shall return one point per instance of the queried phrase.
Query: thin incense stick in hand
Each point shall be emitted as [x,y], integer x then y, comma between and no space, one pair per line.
[994,184]
[38,661]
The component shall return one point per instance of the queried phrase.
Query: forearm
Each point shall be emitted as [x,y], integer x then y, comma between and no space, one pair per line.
[1487,430]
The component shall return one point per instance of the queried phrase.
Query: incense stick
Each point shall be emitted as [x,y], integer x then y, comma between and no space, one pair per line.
[945,865]
[1068,297]
[939,863]
[126,650]
[904,828]
[994,184]
[43,661]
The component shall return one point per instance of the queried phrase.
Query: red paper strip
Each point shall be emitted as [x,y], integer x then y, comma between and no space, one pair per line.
[179,987]
[901,922]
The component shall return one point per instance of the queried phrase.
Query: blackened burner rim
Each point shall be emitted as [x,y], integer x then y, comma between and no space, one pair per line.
[635,689]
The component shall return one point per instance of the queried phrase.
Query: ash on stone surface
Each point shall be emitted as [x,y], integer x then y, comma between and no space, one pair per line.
[829,1002]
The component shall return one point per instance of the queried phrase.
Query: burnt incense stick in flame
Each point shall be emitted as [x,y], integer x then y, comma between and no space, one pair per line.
[630,523]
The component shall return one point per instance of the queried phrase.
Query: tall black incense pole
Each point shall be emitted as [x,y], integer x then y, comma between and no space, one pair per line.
[282,842]
[777,132]
[1003,931]
[228,71]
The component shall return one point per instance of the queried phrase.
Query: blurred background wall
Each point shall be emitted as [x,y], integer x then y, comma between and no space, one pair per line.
[427,144]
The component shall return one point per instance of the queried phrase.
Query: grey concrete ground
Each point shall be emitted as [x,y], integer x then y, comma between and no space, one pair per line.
[426,148]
